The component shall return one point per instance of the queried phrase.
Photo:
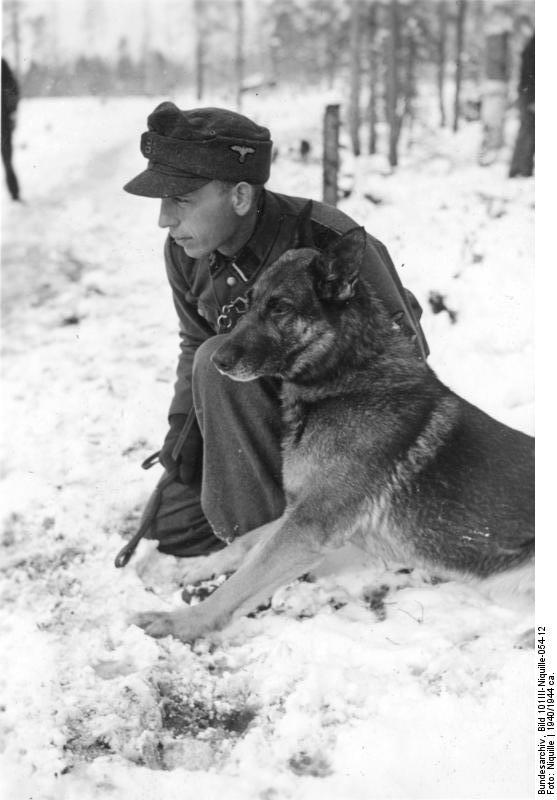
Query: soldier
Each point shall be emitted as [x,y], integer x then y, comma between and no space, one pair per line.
[222,454]
[10,99]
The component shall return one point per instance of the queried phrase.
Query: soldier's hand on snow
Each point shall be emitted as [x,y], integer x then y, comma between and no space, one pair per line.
[188,460]
[177,422]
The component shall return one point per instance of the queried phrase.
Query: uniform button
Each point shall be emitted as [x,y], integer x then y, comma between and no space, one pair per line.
[231,280]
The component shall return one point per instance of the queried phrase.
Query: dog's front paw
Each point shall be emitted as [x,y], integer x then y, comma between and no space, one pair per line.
[155,623]
[187,625]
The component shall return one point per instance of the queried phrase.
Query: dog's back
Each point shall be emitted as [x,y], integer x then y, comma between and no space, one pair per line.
[474,500]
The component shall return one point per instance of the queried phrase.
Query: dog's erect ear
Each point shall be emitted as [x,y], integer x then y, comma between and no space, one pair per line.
[350,248]
[336,271]
[303,235]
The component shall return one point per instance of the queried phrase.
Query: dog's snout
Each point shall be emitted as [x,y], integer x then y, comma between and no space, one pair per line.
[225,358]
[221,359]
[235,361]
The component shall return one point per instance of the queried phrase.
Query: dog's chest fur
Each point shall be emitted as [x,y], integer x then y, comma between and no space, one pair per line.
[318,464]
[299,460]
[294,417]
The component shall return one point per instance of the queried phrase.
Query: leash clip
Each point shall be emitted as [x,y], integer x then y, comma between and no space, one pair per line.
[231,312]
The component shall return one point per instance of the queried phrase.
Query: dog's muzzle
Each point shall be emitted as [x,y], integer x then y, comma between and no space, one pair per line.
[227,359]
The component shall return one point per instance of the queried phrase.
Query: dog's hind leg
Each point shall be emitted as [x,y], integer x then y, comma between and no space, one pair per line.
[285,553]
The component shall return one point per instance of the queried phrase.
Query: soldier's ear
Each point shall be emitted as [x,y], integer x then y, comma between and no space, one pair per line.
[303,234]
[336,272]
[242,198]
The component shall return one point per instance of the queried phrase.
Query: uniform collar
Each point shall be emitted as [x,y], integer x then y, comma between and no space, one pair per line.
[247,261]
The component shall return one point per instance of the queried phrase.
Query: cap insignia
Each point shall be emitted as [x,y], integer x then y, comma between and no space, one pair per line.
[242,151]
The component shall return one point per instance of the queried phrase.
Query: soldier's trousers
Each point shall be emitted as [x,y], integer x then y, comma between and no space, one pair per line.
[240,486]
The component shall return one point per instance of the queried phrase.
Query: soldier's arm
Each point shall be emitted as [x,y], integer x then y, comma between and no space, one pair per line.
[193,331]
[379,271]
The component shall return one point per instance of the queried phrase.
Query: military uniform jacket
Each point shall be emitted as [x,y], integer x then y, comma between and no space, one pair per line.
[211,293]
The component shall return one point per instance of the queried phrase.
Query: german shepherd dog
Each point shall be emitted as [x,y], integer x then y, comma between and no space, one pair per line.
[376,450]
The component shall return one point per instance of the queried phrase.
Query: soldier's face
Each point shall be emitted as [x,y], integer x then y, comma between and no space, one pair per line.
[201,221]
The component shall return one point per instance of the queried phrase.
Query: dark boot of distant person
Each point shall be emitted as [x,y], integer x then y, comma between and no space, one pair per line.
[10,99]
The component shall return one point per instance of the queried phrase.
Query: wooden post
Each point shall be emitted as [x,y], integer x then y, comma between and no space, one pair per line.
[331,127]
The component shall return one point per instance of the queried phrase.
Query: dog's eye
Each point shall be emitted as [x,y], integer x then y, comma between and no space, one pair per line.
[277,306]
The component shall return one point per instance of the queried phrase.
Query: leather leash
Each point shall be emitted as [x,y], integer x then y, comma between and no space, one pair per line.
[155,500]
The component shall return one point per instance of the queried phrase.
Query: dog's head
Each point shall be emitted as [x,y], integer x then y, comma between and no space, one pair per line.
[295,311]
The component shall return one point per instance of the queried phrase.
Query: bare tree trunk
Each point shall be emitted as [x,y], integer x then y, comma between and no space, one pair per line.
[332,56]
[495,91]
[55,28]
[145,48]
[410,77]
[239,60]
[199,49]
[13,7]
[479,21]
[331,61]
[373,82]
[393,44]
[355,74]
[461,16]
[441,60]
[331,127]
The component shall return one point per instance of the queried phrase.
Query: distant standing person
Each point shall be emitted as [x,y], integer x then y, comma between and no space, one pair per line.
[522,163]
[10,99]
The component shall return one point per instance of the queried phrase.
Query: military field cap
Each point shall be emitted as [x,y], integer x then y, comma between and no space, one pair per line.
[187,149]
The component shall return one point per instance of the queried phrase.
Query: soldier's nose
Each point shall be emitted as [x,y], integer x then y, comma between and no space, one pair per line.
[166,218]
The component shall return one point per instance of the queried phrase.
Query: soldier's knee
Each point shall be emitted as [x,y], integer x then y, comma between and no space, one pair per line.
[205,375]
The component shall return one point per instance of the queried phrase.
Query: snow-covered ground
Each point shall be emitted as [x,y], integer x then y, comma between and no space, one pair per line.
[368,683]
